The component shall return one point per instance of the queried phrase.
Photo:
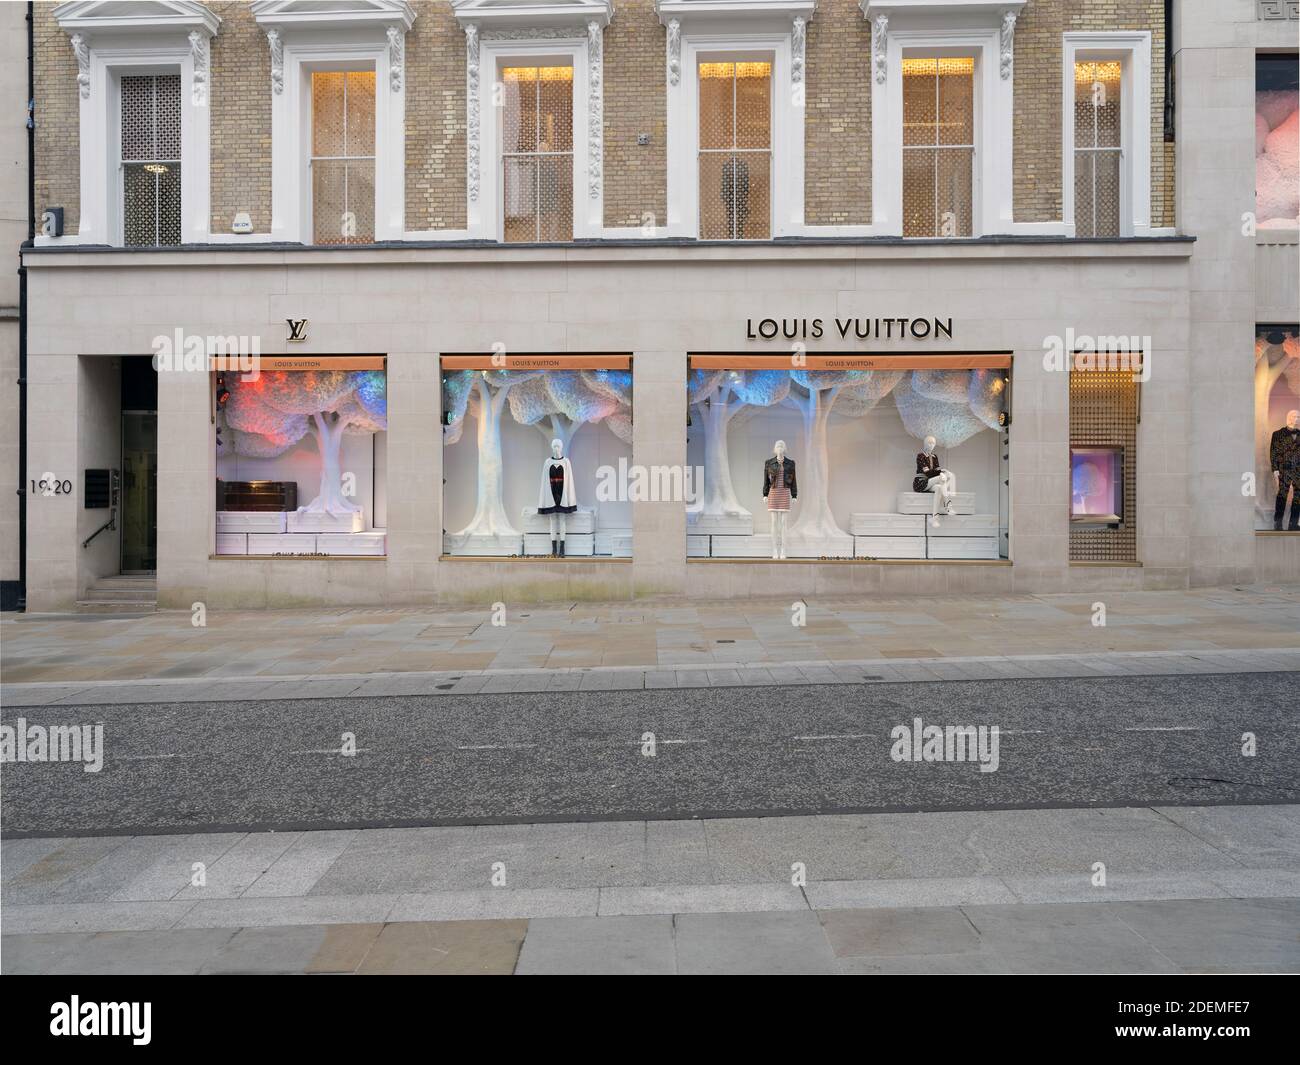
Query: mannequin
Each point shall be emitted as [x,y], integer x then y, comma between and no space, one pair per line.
[1284,457]
[931,477]
[779,488]
[556,496]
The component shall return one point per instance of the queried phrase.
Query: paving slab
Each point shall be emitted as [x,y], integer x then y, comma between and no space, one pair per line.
[700,898]
[496,903]
[752,943]
[447,948]
[905,931]
[600,946]
[935,891]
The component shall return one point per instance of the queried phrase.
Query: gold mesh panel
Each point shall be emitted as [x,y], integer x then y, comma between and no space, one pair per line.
[1097,152]
[343,156]
[537,153]
[1104,412]
[735,151]
[151,152]
[938,146]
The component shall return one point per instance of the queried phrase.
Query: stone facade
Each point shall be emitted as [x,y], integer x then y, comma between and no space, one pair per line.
[635,103]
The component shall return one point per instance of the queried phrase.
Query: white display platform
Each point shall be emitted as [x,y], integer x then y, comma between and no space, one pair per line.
[245,521]
[719,524]
[575,544]
[362,543]
[923,502]
[301,522]
[963,525]
[462,544]
[281,543]
[889,546]
[614,543]
[697,546]
[232,543]
[887,525]
[760,546]
[583,520]
[962,547]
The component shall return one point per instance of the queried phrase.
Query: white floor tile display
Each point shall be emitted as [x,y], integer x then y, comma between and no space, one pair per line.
[302,521]
[281,543]
[760,546]
[697,546]
[963,525]
[246,521]
[481,545]
[575,544]
[232,543]
[887,524]
[969,547]
[719,524]
[923,502]
[374,542]
[614,543]
[889,546]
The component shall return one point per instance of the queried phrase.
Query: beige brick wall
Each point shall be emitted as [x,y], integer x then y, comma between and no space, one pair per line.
[837,119]
[240,122]
[636,176]
[435,119]
[58,116]
[1037,161]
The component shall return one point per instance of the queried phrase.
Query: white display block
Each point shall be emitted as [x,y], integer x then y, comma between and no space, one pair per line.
[923,502]
[575,544]
[232,543]
[888,525]
[757,546]
[582,520]
[281,543]
[889,546]
[362,543]
[963,525]
[246,521]
[614,543]
[760,546]
[719,524]
[697,546]
[962,547]
[463,544]
[302,522]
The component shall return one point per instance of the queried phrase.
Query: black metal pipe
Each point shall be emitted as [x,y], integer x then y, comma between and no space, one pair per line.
[22,307]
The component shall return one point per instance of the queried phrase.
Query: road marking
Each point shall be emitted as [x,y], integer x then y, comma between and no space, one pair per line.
[845,736]
[335,750]
[144,757]
[1165,728]
[498,747]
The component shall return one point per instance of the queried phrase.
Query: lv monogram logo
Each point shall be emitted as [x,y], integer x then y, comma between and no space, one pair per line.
[297,328]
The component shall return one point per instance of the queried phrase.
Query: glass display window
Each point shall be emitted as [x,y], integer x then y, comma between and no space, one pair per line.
[1277,428]
[1277,139]
[849,457]
[1097,485]
[301,457]
[537,456]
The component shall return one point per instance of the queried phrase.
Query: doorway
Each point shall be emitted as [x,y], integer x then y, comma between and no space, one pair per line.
[139,488]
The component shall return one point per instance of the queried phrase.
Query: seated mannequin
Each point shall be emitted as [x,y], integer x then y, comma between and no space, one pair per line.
[557,497]
[779,488]
[931,477]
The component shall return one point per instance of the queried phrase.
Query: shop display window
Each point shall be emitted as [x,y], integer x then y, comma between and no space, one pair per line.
[1097,485]
[1277,428]
[897,459]
[301,458]
[537,456]
[1277,139]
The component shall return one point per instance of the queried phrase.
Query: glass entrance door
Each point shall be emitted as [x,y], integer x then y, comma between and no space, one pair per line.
[139,491]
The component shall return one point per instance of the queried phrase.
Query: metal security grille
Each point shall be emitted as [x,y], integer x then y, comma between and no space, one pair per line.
[1104,410]
[150,165]
[343,156]
[938,146]
[1098,152]
[537,153]
[736,151]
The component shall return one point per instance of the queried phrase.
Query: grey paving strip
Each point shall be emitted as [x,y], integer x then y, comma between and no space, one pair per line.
[614,678]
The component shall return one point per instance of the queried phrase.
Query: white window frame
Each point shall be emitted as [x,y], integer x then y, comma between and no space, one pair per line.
[116,45]
[115,144]
[723,31]
[1133,51]
[316,38]
[486,214]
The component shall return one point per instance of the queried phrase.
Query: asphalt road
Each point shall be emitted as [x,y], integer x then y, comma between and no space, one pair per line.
[719,752]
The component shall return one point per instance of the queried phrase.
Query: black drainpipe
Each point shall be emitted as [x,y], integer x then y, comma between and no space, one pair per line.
[21,603]
[1169,71]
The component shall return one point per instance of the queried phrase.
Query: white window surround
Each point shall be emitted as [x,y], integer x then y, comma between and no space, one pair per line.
[500,33]
[712,31]
[111,40]
[304,37]
[905,29]
[1133,50]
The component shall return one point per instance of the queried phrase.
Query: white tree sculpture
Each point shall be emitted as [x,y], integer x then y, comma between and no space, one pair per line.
[815,393]
[1273,362]
[557,404]
[271,413]
[721,398]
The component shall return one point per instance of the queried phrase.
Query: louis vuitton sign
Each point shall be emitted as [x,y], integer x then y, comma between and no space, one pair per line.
[848,328]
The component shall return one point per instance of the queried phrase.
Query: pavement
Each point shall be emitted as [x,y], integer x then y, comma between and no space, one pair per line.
[1189,889]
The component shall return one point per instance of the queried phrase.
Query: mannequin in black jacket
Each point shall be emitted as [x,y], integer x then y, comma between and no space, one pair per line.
[779,489]
[1284,458]
[931,477]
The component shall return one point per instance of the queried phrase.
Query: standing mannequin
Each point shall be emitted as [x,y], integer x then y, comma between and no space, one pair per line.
[931,477]
[779,488]
[556,496]
[1284,457]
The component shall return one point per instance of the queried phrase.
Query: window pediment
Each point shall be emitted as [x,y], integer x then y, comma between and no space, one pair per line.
[494,15]
[333,14]
[717,10]
[122,17]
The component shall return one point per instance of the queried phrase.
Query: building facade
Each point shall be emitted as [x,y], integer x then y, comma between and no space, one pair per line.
[389,302]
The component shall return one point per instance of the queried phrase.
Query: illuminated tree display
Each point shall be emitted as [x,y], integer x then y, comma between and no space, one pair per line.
[719,397]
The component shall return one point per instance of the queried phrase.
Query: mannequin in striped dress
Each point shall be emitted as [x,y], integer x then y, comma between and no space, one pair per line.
[779,488]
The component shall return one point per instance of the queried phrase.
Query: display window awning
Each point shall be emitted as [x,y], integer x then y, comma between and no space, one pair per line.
[853,361]
[283,363]
[536,361]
